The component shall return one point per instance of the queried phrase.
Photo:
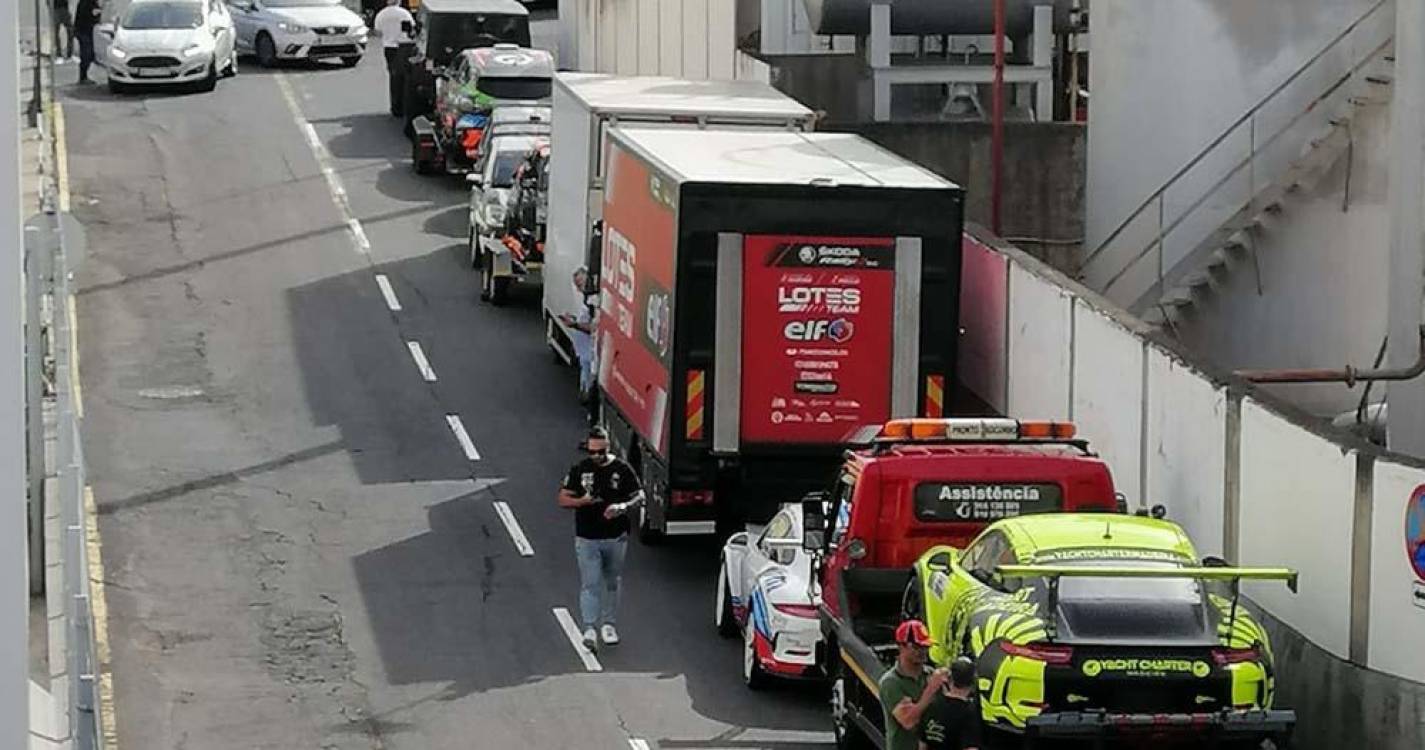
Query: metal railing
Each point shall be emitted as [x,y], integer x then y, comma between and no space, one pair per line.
[1228,173]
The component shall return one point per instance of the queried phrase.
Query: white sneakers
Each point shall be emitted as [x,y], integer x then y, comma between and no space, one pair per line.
[610,635]
[591,639]
[607,633]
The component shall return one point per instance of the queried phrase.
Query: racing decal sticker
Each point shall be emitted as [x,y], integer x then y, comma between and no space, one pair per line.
[1107,553]
[1146,667]
[1415,542]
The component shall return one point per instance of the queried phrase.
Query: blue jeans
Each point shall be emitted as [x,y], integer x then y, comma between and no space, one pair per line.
[600,568]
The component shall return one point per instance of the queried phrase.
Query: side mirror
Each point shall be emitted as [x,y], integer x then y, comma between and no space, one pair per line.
[475,179]
[856,549]
[106,29]
[738,540]
[814,521]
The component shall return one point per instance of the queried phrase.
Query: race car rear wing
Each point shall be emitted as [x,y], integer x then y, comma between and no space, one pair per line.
[1052,573]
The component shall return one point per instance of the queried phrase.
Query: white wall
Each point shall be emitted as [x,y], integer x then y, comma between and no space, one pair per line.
[1187,449]
[1297,498]
[694,39]
[1168,77]
[1108,395]
[1039,341]
[1397,624]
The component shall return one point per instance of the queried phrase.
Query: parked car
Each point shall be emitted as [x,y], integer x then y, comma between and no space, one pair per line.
[166,42]
[764,595]
[274,30]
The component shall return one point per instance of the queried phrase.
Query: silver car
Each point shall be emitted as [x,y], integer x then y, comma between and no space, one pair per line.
[153,42]
[274,30]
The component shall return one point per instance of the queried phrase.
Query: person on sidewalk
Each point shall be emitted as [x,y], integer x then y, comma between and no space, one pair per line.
[601,489]
[397,29]
[62,19]
[86,17]
[906,691]
[952,722]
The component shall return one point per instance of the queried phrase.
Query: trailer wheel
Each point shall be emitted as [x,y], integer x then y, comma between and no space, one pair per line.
[421,164]
[646,533]
[724,620]
[912,601]
[752,674]
[493,289]
[649,536]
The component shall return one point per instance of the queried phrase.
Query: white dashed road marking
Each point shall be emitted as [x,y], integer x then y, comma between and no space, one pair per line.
[507,517]
[392,304]
[571,631]
[466,444]
[637,744]
[422,363]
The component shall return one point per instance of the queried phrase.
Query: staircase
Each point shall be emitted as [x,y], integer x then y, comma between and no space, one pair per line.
[1189,232]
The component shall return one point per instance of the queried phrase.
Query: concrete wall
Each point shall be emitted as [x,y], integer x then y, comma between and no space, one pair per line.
[1168,77]
[1249,477]
[1043,175]
[1336,235]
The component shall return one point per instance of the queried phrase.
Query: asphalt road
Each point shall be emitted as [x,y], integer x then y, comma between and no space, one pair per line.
[299,552]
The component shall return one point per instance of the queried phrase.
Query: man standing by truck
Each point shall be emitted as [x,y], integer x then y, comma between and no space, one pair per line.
[397,29]
[601,489]
[906,690]
[953,720]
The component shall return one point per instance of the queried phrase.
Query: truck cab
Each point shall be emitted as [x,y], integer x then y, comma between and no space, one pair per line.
[918,484]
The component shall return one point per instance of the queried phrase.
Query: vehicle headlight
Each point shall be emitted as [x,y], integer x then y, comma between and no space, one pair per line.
[360,31]
[193,50]
[291,28]
[117,51]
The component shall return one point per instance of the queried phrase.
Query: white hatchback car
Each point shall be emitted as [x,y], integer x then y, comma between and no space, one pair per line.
[165,42]
[275,30]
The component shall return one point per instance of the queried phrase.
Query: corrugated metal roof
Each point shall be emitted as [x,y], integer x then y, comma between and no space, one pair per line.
[630,94]
[772,157]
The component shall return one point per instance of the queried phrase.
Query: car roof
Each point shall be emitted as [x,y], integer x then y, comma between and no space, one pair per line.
[1035,535]
[520,114]
[510,61]
[493,7]
[517,142]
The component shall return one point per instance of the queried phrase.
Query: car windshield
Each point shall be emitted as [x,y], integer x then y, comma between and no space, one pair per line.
[146,16]
[503,170]
[1161,590]
[450,32]
[517,88]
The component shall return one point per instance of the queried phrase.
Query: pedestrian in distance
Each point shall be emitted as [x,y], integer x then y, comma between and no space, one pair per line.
[62,20]
[86,17]
[581,333]
[952,722]
[906,690]
[601,489]
[397,30]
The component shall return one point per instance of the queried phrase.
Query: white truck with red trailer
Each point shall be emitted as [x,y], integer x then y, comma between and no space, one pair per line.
[764,295]
[585,106]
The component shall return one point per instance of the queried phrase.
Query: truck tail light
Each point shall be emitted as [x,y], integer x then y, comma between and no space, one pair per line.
[1045,652]
[690,497]
[1225,656]
[797,610]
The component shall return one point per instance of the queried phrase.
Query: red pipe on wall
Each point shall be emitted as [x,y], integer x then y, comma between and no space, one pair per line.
[997,122]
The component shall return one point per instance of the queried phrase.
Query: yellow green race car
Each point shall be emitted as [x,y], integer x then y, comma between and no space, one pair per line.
[1093,625]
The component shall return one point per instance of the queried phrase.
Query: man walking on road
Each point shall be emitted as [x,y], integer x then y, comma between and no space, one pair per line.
[906,691]
[86,17]
[397,29]
[601,489]
[63,20]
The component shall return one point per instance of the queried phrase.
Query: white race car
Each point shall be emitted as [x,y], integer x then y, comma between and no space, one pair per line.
[763,593]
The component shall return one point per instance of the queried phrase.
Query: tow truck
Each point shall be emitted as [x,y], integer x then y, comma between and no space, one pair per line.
[913,485]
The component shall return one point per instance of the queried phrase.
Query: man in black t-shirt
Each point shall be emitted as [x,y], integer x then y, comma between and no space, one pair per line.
[952,721]
[601,489]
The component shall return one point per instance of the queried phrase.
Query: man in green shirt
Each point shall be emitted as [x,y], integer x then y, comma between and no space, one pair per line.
[906,690]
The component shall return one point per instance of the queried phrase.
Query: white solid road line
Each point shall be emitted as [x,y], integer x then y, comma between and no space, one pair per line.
[392,304]
[422,363]
[324,161]
[466,444]
[507,517]
[571,631]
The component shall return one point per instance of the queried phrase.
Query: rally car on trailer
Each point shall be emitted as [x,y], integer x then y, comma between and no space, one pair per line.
[1097,626]
[481,80]
[444,28]
[764,595]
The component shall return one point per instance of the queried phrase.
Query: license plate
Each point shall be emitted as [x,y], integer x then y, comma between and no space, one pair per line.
[154,72]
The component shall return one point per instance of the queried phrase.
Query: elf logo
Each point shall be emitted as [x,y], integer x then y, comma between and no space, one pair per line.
[835,299]
[839,330]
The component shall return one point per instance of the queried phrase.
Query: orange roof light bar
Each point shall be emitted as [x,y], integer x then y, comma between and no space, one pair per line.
[976,429]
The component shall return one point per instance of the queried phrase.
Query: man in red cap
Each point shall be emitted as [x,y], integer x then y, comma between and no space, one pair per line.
[906,690]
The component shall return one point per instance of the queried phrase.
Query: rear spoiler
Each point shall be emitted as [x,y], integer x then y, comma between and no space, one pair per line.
[1054,572]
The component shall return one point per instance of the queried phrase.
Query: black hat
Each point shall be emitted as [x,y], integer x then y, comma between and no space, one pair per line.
[962,672]
[598,433]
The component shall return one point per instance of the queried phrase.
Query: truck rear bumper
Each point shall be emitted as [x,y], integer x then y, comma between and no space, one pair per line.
[1226,725]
